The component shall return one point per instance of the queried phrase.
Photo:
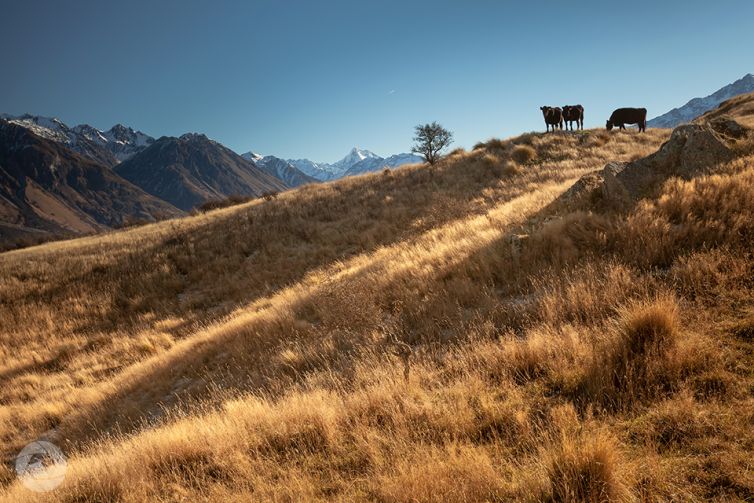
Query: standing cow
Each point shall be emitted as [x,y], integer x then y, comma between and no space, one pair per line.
[553,117]
[624,116]
[573,113]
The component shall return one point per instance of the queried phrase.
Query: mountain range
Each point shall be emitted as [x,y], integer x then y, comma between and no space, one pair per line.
[356,162]
[698,106]
[58,181]
[49,190]
[193,169]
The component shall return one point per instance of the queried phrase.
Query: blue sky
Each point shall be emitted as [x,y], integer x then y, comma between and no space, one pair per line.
[313,79]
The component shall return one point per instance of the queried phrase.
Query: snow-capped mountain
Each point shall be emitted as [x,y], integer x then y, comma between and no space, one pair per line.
[252,156]
[280,168]
[355,156]
[357,161]
[124,142]
[698,106]
[319,170]
[378,163]
[108,147]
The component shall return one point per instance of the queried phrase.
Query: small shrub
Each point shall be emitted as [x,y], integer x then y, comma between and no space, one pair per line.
[214,204]
[270,195]
[523,154]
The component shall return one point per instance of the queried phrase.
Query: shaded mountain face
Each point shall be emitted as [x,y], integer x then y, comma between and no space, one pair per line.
[48,189]
[281,169]
[106,147]
[698,106]
[193,169]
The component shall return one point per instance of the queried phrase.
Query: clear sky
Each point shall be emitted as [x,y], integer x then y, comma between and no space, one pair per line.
[314,78]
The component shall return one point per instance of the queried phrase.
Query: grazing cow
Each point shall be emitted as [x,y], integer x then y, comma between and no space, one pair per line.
[624,116]
[553,117]
[573,113]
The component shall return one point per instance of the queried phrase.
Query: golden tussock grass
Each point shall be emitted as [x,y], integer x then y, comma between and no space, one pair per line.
[429,335]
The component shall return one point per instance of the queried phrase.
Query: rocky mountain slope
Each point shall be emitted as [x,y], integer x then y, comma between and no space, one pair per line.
[698,106]
[106,147]
[192,169]
[47,189]
[280,168]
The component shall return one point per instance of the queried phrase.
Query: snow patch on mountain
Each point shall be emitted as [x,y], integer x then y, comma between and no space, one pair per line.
[698,106]
[356,162]
[120,142]
[280,168]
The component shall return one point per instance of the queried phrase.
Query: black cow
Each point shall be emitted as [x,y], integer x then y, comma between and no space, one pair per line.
[624,116]
[573,113]
[553,117]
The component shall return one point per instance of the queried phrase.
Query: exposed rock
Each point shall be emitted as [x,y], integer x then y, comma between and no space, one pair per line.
[612,188]
[728,127]
[691,151]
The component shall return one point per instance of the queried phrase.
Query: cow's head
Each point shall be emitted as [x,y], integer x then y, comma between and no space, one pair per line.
[609,126]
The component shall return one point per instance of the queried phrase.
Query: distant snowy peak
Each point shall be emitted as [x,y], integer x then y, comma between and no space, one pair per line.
[355,156]
[698,106]
[252,156]
[49,128]
[375,164]
[356,162]
[109,147]
[319,170]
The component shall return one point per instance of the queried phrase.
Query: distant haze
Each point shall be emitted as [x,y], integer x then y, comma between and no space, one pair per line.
[313,79]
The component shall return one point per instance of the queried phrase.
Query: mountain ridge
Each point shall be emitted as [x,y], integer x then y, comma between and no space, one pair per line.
[48,190]
[696,107]
[192,169]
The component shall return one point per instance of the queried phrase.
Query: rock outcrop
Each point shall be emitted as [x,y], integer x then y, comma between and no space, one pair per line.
[691,151]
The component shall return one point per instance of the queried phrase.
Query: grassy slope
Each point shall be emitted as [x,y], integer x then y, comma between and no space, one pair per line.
[255,350]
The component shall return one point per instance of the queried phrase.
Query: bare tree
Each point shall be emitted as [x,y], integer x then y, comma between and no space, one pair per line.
[430,140]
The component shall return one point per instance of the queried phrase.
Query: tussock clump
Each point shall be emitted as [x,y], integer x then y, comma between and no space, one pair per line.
[707,211]
[523,154]
[673,424]
[579,464]
[634,363]
[511,169]
[455,473]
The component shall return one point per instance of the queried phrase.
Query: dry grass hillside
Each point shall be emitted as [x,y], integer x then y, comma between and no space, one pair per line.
[740,108]
[462,332]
